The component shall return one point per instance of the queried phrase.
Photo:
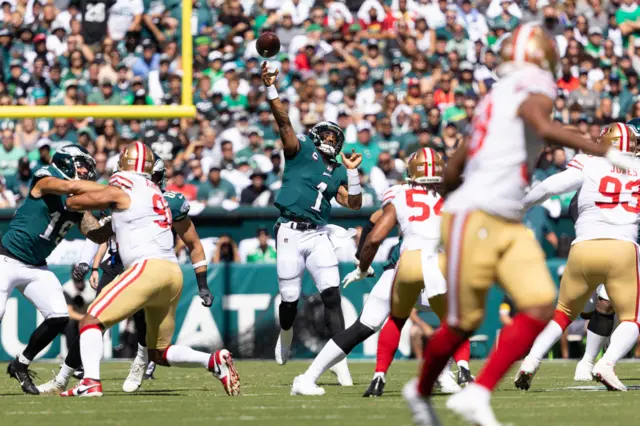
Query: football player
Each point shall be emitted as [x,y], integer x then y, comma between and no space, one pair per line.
[36,229]
[604,250]
[481,226]
[152,280]
[112,267]
[416,208]
[312,178]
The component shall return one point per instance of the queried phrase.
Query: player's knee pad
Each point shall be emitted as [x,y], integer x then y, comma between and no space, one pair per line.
[333,317]
[290,289]
[352,336]
[287,312]
[601,324]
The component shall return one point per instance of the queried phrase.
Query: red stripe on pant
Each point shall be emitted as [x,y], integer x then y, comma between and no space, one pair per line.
[144,264]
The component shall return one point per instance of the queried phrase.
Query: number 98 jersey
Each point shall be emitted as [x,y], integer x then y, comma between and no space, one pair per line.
[39,224]
[143,231]
[418,215]
[608,201]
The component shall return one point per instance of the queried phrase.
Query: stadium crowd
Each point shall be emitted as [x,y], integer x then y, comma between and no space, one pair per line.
[395,75]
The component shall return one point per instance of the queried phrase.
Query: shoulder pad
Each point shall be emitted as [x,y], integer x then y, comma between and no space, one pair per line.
[578,161]
[390,194]
[121,181]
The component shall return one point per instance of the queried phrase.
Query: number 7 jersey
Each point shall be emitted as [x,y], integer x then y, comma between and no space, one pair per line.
[142,231]
[608,202]
[418,216]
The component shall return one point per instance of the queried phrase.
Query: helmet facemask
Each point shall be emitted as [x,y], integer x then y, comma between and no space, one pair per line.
[328,138]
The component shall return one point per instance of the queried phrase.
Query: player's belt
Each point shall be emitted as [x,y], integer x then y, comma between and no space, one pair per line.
[299,226]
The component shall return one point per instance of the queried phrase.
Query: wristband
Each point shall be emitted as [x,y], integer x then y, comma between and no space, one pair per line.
[354,182]
[272,92]
[199,264]
[95,269]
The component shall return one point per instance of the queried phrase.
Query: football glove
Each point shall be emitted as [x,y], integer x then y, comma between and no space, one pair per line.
[80,271]
[353,276]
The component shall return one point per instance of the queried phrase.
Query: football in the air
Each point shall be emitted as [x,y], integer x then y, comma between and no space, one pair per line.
[268,45]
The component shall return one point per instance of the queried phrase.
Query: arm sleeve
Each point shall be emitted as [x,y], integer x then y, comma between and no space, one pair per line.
[89,251]
[569,180]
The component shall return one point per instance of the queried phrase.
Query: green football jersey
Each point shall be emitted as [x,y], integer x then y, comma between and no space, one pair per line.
[394,256]
[39,224]
[178,205]
[308,185]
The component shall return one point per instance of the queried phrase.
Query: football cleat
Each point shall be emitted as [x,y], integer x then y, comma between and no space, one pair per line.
[525,374]
[604,373]
[376,388]
[222,368]
[421,410]
[86,388]
[583,372]
[472,405]
[447,383]
[53,386]
[283,346]
[341,370]
[23,375]
[464,376]
[136,373]
[302,385]
[151,368]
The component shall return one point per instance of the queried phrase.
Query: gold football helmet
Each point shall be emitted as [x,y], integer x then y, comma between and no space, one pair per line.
[137,158]
[530,43]
[620,136]
[425,166]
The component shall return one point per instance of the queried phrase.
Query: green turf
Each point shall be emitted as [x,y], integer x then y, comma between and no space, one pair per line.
[193,397]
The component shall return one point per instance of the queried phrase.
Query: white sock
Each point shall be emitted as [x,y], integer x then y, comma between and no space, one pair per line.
[143,353]
[622,340]
[381,375]
[91,350]
[595,343]
[545,340]
[23,360]
[65,374]
[185,357]
[329,356]
[463,364]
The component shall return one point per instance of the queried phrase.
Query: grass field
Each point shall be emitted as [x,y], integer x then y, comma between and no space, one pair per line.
[193,397]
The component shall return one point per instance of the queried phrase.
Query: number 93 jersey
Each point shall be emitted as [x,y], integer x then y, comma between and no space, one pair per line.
[39,224]
[418,215]
[143,231]
[608,202]
[309,184]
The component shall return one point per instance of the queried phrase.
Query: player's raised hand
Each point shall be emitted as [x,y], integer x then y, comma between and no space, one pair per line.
[268,77]
[352,162]
[206,296]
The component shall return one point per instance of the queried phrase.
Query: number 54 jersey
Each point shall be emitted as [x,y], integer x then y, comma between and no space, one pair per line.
[608,202]
[143,231]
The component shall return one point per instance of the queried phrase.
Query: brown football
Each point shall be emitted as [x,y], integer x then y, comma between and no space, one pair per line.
[268,45]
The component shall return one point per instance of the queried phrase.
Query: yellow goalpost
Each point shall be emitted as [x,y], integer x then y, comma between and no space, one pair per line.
[185,110]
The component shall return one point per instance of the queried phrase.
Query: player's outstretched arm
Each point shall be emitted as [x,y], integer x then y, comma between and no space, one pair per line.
[380,231]
[366,229]
[290,144]
[188,234]
[96,230]
[351,196]
[566,181]
[108,197]
[55,186]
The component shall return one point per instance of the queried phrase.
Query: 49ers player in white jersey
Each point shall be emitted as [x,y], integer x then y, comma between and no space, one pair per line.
[604,251]
[152,280]
[481,226]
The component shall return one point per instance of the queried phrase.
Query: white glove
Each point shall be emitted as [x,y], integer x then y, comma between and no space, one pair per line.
[370,271]
[353,276]
[622,159]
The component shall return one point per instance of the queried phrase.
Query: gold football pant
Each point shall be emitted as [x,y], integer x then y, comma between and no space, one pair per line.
[612,262]
[408,282]
[482,249]
[152,284]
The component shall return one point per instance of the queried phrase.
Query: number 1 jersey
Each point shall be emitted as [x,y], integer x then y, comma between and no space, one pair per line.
[608,202]
[143,231]
[418,215]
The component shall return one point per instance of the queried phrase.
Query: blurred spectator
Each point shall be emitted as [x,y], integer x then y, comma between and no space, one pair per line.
[384,174]
[7,198]
[264,253]
[226,250]
[178,184]
[20,183]
[215,190]
[257,194]
[365,146]
[10,153]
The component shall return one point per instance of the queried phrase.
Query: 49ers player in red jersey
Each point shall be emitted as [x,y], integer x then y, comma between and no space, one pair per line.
[482,228]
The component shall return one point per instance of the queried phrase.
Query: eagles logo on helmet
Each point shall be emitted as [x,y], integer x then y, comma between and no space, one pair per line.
[69,158]
[620,136]
[137,158]
[159,170]
[321,136]
[425,166]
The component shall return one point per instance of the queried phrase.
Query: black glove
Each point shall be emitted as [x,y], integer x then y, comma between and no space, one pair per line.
[203,289]
[80,271]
